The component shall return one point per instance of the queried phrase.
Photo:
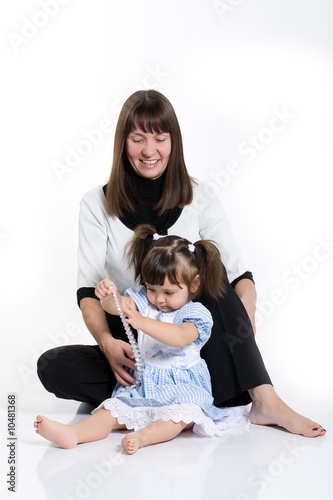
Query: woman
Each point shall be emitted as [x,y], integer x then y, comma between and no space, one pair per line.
[149,184]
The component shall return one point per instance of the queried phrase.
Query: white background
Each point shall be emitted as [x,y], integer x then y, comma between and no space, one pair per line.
[228,68]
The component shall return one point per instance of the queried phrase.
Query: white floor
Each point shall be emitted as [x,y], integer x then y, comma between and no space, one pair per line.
[262,463]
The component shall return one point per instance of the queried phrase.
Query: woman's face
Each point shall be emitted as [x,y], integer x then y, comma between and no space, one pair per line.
[148,153]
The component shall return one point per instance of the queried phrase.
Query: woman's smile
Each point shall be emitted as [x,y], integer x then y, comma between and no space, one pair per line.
[149,163]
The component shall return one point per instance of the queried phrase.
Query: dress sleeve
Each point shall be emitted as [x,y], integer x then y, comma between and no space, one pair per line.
[196,313]
[139,297]
[92,240]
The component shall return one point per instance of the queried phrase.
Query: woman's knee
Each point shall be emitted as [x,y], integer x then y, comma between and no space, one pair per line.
[47,366]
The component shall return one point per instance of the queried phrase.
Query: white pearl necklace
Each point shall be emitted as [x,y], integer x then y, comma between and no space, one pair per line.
[132,341]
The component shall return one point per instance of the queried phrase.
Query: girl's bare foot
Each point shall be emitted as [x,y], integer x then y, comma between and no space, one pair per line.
[61,434]
[269,409]
[131,443]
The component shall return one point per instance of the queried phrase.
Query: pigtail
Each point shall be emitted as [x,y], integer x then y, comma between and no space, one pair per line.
[139,246]
[211,269]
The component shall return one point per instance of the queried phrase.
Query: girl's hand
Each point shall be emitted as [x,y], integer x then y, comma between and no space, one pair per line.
[102,290]
[134,318]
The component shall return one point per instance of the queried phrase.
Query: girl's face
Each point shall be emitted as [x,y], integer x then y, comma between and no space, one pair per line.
[168,297]
[148,153]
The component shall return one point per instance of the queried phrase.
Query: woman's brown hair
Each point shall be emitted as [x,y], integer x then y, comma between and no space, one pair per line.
[150,111]
[177,259]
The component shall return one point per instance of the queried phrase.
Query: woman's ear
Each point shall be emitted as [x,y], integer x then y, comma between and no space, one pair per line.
[195,284]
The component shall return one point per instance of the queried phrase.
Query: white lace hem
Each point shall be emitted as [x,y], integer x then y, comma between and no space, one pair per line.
[234,420]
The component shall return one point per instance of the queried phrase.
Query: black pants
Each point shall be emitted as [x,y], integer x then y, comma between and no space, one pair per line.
[83,373]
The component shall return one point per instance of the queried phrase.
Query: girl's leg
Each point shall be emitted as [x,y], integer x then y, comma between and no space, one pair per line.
[156,432]
[269,409]
[92,428]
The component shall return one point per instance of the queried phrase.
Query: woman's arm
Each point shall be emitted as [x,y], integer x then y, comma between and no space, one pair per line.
[93,237]
[246,291]
[215,226]
[117,352]
[170,334]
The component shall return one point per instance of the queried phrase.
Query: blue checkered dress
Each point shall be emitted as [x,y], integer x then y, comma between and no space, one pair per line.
[176,383]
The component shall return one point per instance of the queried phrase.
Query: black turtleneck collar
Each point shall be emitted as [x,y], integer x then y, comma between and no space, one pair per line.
[149,192]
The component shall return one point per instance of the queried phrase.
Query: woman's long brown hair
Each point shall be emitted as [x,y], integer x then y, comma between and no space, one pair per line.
[150,111]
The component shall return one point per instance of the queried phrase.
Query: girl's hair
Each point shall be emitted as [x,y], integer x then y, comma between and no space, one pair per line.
[152,112]
[171,257]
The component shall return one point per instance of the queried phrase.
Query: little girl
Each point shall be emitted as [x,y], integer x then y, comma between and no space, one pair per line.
[175,390]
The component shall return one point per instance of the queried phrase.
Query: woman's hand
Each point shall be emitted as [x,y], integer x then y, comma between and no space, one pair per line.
[134,318]
[119,354]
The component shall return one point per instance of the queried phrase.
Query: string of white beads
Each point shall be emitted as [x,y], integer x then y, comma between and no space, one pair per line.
[132,341]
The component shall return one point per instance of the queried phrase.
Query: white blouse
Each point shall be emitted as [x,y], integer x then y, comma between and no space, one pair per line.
[102,239]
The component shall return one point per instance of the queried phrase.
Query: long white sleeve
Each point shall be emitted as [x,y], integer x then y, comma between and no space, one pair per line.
[102,242]
[92,241]
[205,218]
[102,239]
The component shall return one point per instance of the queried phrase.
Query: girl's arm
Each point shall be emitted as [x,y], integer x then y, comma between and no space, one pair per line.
[173,335]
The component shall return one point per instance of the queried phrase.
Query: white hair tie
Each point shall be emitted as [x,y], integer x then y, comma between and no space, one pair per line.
[191,247]
[157,236]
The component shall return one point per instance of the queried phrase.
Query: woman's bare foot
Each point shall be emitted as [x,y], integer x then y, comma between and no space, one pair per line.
[269,409]
[131,443]
[61,434]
